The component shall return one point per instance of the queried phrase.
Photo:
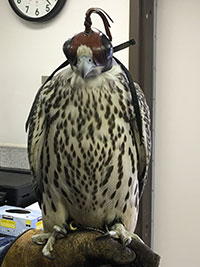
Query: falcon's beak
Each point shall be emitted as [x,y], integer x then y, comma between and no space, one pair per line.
[85,66]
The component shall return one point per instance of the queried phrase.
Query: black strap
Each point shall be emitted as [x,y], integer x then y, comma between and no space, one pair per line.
[64,64]
[134,96]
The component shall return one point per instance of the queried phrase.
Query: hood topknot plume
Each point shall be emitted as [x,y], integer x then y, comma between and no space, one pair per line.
[103,15]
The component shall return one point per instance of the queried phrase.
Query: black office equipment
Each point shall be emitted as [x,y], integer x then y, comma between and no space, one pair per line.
[16,187]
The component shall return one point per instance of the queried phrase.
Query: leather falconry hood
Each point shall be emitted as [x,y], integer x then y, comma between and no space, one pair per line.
[99,43]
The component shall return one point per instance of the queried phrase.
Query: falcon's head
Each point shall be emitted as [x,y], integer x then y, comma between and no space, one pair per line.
[90,52]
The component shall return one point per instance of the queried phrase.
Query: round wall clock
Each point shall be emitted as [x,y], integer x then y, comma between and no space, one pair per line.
[37,10]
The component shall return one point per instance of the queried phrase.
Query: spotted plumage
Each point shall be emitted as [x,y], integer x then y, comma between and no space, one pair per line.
[88,159]
[74,156]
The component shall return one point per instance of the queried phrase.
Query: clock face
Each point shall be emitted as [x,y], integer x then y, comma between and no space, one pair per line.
[37,10]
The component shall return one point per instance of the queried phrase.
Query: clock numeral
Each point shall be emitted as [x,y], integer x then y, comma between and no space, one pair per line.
[19,1]
[47,8]
[27,8]
[37,13]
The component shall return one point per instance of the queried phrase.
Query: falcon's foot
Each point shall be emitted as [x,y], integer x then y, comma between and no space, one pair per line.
[49,239]
[118,231]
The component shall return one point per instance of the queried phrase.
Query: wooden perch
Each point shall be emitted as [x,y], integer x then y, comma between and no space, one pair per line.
[80,249]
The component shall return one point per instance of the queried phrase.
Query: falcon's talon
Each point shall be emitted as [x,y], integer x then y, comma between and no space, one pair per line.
[47,254]
[59,230]
[136,237]
[49,239]
[118,231]
[40,239]
[127,242]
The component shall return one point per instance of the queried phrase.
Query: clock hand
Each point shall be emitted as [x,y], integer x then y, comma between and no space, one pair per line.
[48,2]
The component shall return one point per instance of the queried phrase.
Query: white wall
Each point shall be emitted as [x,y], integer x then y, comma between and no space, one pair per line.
[177,154]
[29,51]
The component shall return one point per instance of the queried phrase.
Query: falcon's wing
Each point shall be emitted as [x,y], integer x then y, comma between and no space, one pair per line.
[37,125]
[143,145]
[140,126]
